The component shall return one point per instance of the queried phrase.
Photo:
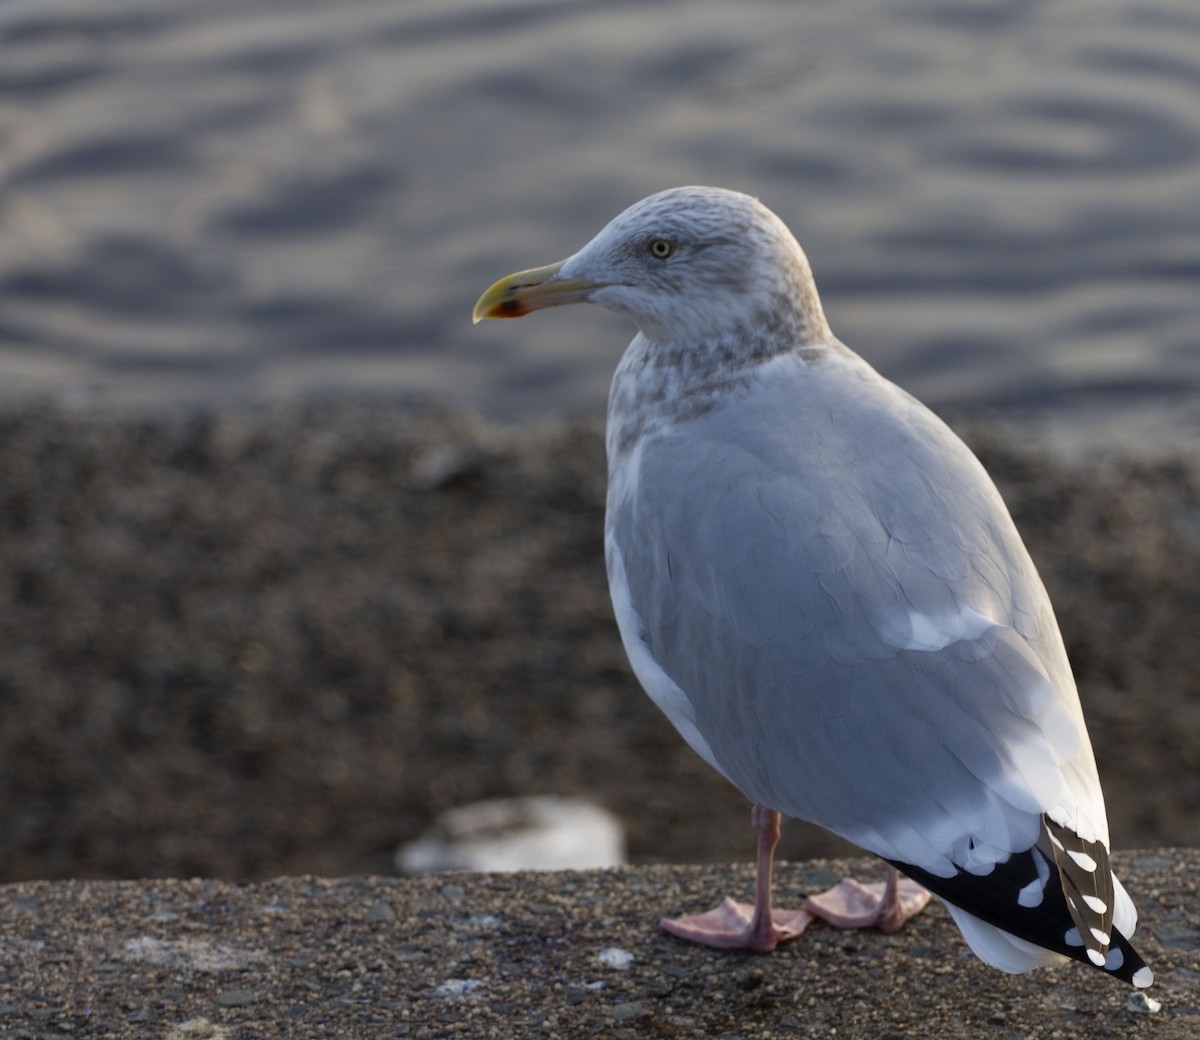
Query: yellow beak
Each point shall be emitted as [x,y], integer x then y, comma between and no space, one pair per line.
[532,290]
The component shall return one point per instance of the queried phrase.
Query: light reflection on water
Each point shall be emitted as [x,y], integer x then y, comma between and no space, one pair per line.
[213,202]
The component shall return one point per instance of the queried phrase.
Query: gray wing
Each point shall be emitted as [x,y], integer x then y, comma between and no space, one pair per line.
[832,582]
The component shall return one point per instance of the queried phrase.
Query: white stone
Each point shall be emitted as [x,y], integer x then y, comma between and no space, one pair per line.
[537,833]
[615,957]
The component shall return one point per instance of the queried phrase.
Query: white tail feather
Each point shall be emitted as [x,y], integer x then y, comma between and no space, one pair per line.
[1124,912]
[998,948]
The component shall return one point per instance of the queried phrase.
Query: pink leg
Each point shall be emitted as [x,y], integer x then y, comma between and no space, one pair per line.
[738,926]
[848,904]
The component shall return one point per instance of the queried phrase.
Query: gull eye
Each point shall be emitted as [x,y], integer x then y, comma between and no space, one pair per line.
[661,248]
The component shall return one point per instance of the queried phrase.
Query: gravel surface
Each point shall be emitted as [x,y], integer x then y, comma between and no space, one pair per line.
[569,955]
[279,642]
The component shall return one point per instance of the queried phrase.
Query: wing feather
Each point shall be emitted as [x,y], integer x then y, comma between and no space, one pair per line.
[879,654]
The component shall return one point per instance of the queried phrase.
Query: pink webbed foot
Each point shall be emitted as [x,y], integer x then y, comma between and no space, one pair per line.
[734,926]
[739,926]
[886,905]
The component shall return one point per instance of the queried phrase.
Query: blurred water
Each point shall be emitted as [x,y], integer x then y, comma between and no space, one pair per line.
[229,200]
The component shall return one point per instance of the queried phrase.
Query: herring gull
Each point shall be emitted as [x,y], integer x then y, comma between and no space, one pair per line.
[820,586]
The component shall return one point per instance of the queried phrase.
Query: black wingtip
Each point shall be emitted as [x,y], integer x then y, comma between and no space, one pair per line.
[994,898]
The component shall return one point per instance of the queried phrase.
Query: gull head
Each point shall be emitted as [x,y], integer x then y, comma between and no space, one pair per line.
[690,265]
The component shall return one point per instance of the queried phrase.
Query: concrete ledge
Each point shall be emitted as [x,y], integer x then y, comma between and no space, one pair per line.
[562,954]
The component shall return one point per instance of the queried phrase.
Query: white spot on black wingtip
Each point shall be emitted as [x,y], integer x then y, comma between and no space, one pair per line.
[1114,960]
[1102,937]
[1143,977]
[1096,903]
[1032,894]
[1084,861]
[1096,957]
